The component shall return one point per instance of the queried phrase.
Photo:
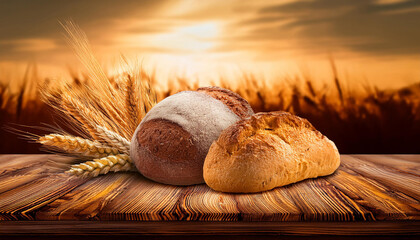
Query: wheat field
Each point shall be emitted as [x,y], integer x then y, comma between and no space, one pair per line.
[366,120]
[106,109]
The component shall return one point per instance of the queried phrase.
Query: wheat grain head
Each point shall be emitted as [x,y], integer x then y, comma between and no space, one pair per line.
[77,145]
[112,163]
[113,139]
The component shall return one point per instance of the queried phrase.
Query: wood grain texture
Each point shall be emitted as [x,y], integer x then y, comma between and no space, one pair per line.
[174,228]
[365,188]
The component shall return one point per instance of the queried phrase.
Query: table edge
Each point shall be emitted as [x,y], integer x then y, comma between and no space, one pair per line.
[209,228]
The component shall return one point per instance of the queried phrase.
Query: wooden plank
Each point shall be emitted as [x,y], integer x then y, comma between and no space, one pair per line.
[400,181]
[144,200]
[275,205]
[20,202]
[10,181]
[29,182]
[18,162]
[321,201]
[405,157]
[87,200]
[21,169]
[200,203]
[165,228]
[375,197]
[392,162]
[364,188]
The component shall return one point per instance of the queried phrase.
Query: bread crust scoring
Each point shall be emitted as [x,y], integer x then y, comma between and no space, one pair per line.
[268,150]
[232,100]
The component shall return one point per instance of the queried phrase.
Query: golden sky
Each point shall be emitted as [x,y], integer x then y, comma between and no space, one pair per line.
[377,40]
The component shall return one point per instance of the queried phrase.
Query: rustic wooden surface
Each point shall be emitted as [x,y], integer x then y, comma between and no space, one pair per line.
[366,189]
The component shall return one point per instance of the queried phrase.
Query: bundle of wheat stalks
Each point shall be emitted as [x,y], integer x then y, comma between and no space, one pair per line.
[105,112]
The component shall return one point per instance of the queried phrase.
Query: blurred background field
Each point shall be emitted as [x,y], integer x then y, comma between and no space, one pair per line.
[361,119]
[276,53]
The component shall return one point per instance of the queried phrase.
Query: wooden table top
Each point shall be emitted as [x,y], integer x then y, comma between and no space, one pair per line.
[368,194]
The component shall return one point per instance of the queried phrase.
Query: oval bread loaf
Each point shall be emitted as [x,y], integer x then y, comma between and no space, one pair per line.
[268,150]
[172,141]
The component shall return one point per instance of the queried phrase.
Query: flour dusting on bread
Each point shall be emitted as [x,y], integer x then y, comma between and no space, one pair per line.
[198,113]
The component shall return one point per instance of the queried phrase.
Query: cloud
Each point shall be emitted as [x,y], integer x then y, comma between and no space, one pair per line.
[266,28]
[365,26]
[23,20]
[30,44]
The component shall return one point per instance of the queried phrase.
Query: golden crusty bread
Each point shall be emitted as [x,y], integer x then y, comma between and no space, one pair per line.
[268,150]
[170,144]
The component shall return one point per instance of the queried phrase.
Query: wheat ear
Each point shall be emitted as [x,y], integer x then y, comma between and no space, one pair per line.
[131,103]
[113,139]
[78,145]
[148,97]
[112,163]
[81,113]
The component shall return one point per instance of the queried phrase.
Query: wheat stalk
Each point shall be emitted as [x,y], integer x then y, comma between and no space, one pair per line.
[105,109]
[81,113]
[112,163]
[131,103]
[148,97]
[79,42]
[77,145]
[110,99]
[115,117]
[113,139]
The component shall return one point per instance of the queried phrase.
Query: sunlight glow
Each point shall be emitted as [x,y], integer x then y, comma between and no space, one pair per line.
[211,39]
[182,40]
[189,39]
[389,1]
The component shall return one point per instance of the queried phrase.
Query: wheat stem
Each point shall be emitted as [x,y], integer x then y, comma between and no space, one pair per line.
[112,163]
[77,145]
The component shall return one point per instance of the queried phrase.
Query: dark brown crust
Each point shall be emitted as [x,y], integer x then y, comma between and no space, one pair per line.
[232,137]
[233,101]
[167,140]
[167,154]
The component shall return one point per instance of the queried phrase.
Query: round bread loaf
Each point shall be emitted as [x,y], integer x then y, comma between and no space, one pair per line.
[172,141]
[268,150]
